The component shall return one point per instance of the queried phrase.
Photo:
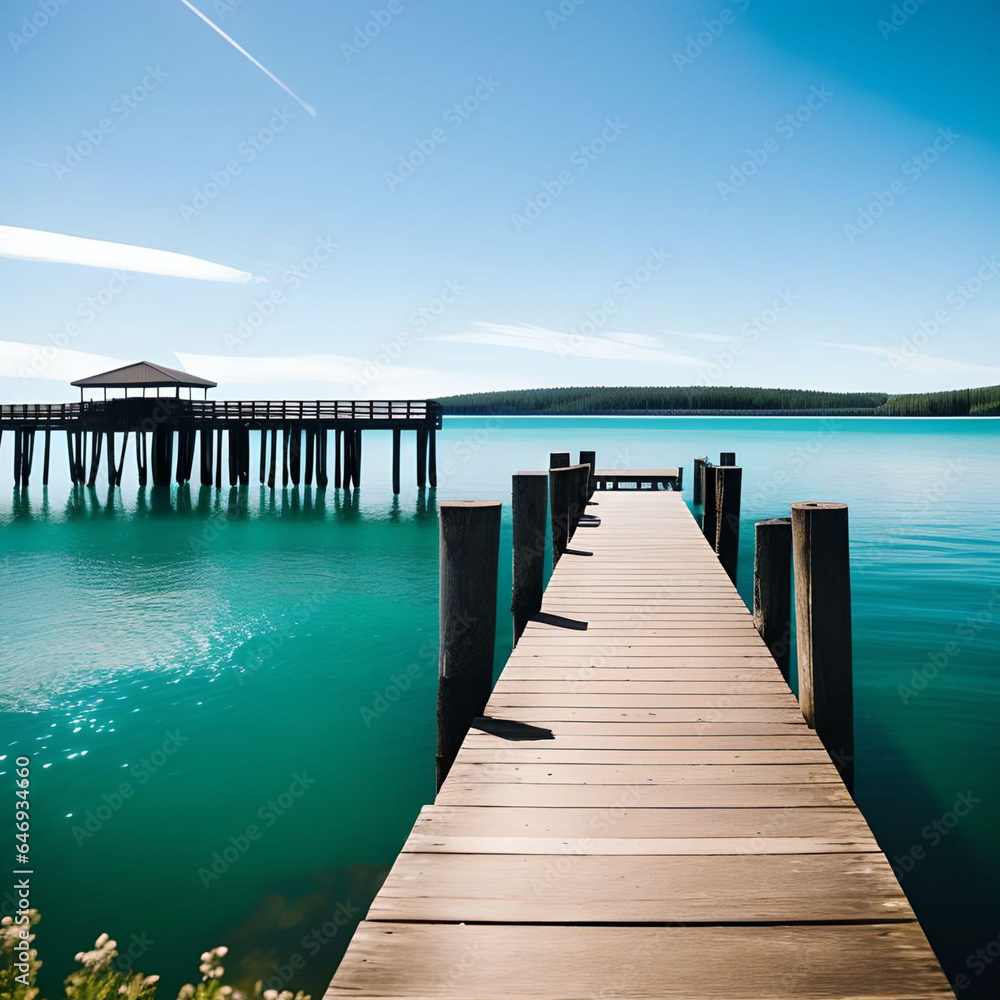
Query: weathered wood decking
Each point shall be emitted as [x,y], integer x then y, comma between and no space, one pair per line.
[644,812]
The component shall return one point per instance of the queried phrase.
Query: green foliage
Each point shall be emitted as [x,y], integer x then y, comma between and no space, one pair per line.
[625,399]
[100,976]
[725,399]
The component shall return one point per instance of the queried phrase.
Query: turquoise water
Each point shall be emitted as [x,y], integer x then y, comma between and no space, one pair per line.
[239,660]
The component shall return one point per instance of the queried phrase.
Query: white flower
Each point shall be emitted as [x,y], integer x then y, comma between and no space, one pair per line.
[101,941]
[206,956]
[222,951]
[270,995]
[150,980]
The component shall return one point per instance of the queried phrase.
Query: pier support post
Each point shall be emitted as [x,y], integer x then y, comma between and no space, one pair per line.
[470,543]
[709,521]
[558,459]
[263,457]
[234,455]
[206,456]
[112,467]
[357,459]
[96,447]
[560,487]
[295,454]
[348,457]
[336,459]
[432,462]
[727,458]
[322,477]
[310,455]
[45,456]
[421,457]
[698,485]
[772,587]
[141,457]
[589,458]
[243,433]
[529,512]
[285,432]
[396,443]
[121,460]
[272,467]
[728,491]
[821,557]
[17,456]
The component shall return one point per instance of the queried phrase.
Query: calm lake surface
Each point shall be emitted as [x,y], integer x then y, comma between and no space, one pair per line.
[181,667]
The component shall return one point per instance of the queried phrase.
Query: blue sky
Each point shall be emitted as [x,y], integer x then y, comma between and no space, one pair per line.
[501,195]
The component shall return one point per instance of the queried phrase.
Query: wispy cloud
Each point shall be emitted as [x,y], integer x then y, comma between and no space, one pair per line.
[903,360]
[19,360]
[56,248]
[612,347]
[347,377]
[308,108]
[715,338]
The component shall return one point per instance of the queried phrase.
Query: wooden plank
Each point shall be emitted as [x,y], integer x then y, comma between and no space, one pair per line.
[555,962]
[658,774]
[588,889]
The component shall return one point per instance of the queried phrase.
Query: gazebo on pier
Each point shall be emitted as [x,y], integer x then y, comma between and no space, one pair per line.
[144,375]
[183,426]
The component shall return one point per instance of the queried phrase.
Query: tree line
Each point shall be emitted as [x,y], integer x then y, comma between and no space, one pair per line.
[587,400]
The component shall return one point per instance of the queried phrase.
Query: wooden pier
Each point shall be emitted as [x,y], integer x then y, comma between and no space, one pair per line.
[170,433]
[642,810]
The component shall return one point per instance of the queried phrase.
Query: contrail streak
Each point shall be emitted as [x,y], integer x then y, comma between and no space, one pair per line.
[309,109]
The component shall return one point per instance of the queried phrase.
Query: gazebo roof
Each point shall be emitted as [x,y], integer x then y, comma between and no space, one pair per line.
[144,374]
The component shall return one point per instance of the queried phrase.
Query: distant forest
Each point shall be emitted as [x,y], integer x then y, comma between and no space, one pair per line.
[725,399]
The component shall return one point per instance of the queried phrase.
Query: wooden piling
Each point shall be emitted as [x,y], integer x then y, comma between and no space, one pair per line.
[821,557]
[348,458]
[772,587]
[528,509]
[558,459]
[728,490]
[336,458]
[698,485]
[589,458]
[295,454]
[357,458]
[310,455]
[205,465]
[285,432]
[218,458]
[421,457]
[121,459]
[45,456]
[322,478]
[560,490]
[273,465]
[727,458]
[17,457]
[709,522]
[397,436]
[262,473]
[470,542]
[233,451]
[244,438]
[432,472]
[112,466]
[96,447]
[141,458]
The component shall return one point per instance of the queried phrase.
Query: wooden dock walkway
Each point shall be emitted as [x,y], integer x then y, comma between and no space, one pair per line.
[643,813]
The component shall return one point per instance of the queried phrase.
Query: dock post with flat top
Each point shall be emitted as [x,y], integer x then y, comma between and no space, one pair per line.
[529,495]
[470,544]
[821,557]
[728,490]
[772,587]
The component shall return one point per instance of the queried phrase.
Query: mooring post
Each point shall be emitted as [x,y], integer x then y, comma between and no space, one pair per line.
[558,459]
[821,556]
[698,485]
[709,523]
[396,443]
[560,485]
[728,490]
[470,544]
[432,469]
[528,510]
[727,458]
[421,457]
[589,458]
[772,587]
